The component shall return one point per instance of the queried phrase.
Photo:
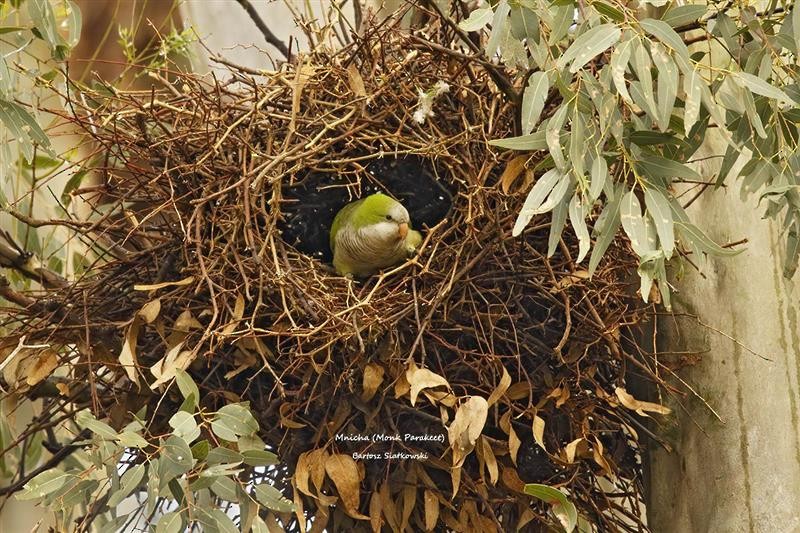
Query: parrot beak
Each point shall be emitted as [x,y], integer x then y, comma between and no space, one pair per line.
[402,231]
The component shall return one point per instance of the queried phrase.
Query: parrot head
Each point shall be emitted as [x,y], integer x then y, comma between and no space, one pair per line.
[382,216]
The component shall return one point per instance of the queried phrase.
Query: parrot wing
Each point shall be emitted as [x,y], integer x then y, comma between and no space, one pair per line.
[341,219]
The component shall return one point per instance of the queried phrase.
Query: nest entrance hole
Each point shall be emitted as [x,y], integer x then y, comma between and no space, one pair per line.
[311,204]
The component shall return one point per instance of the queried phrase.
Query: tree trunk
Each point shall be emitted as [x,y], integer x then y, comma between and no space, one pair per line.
[740,474]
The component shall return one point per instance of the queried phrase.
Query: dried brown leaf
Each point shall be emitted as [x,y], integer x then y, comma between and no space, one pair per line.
[513,169]
[431,510]
[156,286]
[43,365]
[373,377]
[502,387]
[626,399]
[422,378]
[343,471]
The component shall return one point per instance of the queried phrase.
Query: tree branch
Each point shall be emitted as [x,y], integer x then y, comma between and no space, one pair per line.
[265,31]
[53,462]
[27,265]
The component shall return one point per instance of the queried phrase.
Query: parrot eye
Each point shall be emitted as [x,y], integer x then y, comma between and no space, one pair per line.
[388,217]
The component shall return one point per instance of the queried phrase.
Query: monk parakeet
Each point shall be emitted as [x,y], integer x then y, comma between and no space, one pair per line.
[370,234]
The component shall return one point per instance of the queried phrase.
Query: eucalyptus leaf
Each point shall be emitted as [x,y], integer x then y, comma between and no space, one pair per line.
[606,229]
[45,483]
[557,224]
[553,135]
[701,241]
[667,86]
[172,522]
[535,198]
[130,481]
[532,142]
[577,217]
[499,28]
[683,15]
[564,509]
[533,100]
[619,64]
[477,20]
[233,421]
[664,33]
[658,207]
[271,498]
[692,88]
[634,224]
[588,45]
[762,87]
[599,174]
[24,128]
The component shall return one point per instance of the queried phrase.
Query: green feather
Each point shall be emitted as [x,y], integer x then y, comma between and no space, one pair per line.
[359,214]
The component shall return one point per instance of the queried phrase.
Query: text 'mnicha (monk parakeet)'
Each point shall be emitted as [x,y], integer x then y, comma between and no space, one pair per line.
[370,234]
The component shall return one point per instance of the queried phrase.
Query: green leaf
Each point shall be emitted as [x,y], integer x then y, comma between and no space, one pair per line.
[259,526]
[41,13]
[11,29]
[599,174]
[5,78]
[171,522]
[683,15]
[553,135]
[642,64]
[536,198]
[564,509]
[796,27]
[233,421]
[200,450]
[223,455]
[660,167]
[658,207]
[701,241]
[667,86]
[176,460]
[225,488]
[664,33]
[74,23]
[86,420]
[634,224]
[184,426]
[260,458]
[692,88]
[651,138]
[563,18]
[619,64]
[609,11]
[271,498]
[24,128]
[588,45]
[606,229]
[129,482]
[533,100]
[499,28]
[577,217]
[477,19]
[532,142]
[762,87]
[557,223]
[45,483]
[130,439]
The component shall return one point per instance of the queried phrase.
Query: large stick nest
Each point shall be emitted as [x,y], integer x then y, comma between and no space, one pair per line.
[207,250]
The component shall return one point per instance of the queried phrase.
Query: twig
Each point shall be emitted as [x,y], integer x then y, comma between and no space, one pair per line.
[265,31]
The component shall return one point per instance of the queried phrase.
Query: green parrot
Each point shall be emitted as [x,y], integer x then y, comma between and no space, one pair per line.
[370,234]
